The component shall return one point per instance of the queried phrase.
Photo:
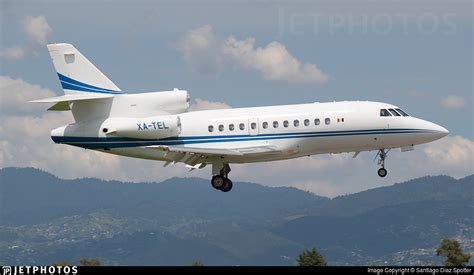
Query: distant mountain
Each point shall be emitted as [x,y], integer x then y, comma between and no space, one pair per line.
[437,188]
[29,196]
[384,230]
[44,219]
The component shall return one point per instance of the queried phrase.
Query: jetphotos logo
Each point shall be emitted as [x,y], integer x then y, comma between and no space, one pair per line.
[20,270]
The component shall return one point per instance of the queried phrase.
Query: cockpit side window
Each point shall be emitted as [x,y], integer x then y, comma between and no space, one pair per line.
[402,112]
[384,112]
[394,112]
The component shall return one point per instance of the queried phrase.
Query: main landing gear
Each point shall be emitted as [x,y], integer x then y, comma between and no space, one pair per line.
[222,181]
[382,155]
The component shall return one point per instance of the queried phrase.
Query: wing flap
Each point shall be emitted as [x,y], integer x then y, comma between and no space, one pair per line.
[239,151]
[196,157]
[196,150]
[265,149]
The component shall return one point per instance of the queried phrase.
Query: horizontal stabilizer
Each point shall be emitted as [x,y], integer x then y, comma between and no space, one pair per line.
[62,102]
[72,97]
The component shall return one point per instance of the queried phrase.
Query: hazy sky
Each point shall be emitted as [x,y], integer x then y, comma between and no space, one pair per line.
[415,54]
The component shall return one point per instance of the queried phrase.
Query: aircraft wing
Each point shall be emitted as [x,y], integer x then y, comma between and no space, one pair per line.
[195,155]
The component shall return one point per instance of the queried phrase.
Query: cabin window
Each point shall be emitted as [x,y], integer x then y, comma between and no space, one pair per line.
[306,122]
[210,128]
[275,124]
[265,125]
[327,121]
[394,112]
[221,128]
[317,122]
[286,123]
[402,112]
[384,112]
[242,126]
[253,125]
[296,123]
[231,127]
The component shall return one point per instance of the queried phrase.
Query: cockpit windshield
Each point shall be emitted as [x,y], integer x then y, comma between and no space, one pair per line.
[384,112]
[402,112]
[393,112]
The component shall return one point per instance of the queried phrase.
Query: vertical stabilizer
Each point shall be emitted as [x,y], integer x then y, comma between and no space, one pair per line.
[77,74]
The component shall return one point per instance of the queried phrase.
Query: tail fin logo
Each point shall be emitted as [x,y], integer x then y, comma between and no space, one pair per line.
[72,84]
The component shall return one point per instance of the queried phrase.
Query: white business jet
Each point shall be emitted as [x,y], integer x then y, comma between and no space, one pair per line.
[158,125]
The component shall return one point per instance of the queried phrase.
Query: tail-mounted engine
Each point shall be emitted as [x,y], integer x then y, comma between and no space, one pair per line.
[155,127]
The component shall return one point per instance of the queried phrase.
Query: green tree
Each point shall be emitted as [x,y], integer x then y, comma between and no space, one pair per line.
[197,263]
[90,262]
[311,258]
[62,263]
[452,250]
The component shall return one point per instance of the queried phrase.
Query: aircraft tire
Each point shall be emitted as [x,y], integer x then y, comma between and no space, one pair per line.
[382,172]
[218,182]
[227,186]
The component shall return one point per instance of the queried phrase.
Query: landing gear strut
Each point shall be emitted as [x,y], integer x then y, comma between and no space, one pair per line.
[382,155]
[222,181]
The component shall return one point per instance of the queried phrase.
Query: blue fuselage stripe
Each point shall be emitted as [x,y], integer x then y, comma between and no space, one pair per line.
[105,142]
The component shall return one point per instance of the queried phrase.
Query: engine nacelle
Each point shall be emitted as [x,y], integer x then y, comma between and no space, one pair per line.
[155,127]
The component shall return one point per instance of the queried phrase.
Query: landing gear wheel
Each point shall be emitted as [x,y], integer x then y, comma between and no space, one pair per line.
[221,179]
[382,172]
[227,185]
[218,182]
[382,155]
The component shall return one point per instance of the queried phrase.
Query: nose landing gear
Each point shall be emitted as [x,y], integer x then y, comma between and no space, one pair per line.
[382,155]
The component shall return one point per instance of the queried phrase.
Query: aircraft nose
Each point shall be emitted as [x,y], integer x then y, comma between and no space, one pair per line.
[443,131]
[440,130]
[437,130]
